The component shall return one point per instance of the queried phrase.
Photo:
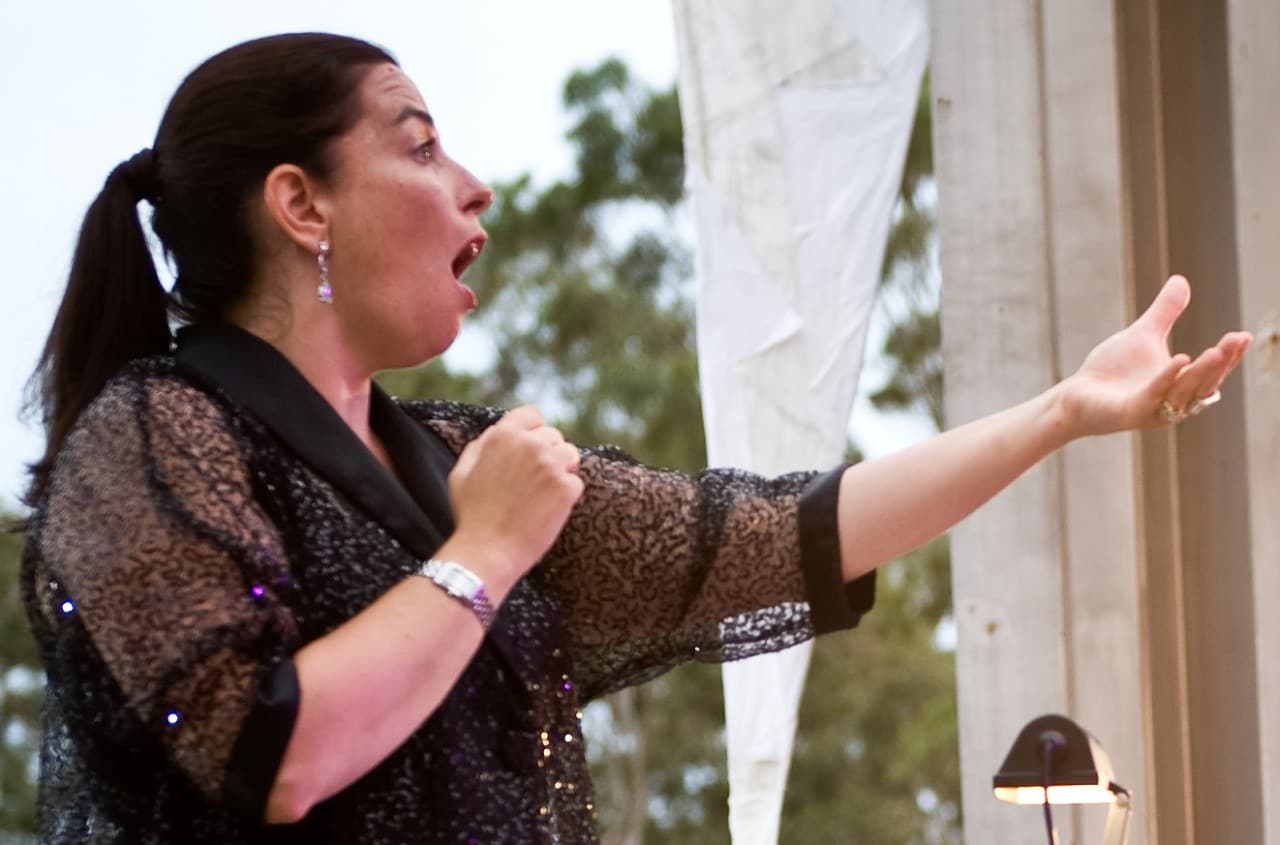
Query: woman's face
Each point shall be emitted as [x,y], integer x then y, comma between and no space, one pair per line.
[404,227]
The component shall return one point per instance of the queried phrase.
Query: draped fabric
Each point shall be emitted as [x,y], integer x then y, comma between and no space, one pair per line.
[796,120]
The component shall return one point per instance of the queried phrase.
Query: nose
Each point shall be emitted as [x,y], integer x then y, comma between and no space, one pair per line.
[476,195]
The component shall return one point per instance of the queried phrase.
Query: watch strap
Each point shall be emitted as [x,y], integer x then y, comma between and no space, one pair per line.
[462,584]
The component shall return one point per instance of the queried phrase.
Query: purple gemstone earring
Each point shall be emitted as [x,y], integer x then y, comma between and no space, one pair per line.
[325,291]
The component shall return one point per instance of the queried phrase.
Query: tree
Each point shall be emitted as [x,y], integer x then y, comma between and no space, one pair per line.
[909,283]
[20,697]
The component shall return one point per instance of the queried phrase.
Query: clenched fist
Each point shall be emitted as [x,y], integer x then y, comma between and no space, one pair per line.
[513,488]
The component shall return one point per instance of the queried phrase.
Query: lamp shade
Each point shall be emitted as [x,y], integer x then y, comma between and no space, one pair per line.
[1078,771]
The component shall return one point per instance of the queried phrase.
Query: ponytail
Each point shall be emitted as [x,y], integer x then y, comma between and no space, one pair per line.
[114,310]
[285,98]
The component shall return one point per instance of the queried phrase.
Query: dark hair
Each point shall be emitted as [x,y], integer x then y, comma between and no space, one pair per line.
[266,102]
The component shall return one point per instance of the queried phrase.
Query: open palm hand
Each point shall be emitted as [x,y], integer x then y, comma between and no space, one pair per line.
[1126,377]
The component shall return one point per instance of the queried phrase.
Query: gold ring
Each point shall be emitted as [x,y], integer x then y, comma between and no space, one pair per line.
[1171,414]
[1203,402]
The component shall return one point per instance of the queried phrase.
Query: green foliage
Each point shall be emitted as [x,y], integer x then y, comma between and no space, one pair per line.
[876,751]
[21,682]
[913,347]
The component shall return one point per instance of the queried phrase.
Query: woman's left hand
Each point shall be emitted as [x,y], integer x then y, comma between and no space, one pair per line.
[1127,377]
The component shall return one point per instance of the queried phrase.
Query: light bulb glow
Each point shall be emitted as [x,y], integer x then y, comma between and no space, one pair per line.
[1075,794]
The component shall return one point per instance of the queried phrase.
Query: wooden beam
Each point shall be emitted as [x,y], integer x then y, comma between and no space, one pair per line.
[1212,458]
[1167,804]
[1007,562]
[1092,295]
[1083,152]
[1253,58]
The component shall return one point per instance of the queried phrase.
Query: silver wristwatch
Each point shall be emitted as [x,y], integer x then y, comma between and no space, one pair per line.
[461,583]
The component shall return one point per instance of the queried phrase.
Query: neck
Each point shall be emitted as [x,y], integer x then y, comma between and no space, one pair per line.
[326,360]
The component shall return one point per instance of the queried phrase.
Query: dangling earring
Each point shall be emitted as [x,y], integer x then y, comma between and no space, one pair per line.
[325,291]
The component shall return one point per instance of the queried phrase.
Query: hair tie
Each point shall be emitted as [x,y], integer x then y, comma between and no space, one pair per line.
[139,174]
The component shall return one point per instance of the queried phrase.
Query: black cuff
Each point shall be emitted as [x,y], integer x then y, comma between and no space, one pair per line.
[834,605]
[259,750]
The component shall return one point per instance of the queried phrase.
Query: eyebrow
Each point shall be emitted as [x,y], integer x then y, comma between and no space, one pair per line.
[412,112]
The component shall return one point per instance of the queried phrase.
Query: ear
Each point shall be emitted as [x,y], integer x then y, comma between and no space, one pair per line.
[297,205]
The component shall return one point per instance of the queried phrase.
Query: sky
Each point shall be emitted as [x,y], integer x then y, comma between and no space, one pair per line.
[83,84]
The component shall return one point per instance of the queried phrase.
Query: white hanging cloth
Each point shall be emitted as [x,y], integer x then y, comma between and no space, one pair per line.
[796,122]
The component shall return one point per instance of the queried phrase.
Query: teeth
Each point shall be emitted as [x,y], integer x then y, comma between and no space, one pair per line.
[475,250]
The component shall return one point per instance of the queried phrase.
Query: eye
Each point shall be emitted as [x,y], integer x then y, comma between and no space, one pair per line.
[426,151]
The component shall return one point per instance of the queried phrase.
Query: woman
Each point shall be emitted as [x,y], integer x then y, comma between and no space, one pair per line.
[275,604]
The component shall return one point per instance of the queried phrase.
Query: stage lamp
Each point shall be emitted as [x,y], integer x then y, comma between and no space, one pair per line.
[1055,761]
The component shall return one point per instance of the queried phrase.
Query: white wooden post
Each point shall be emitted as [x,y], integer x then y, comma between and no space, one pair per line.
[1254,56]
[1033,268]
[1083,151]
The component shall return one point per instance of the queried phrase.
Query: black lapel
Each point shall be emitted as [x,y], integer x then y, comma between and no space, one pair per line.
[262,382]
[424,462]
[421,458]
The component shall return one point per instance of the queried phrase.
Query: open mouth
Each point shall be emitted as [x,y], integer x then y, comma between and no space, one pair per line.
[467,256]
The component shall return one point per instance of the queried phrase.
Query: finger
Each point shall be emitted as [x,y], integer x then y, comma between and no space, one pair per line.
[522,419]
[1199,378]
[1243,341]
[1167,306]
[469,455]
[561,456]
[569,455]
[1158,388]
[1233,345]
[1233,348]
[549,435]
[574,484]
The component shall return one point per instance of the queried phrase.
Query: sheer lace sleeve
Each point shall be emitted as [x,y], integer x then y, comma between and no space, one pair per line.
[656,567]
[151,547]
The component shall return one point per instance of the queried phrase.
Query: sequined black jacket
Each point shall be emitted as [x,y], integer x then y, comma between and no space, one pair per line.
[211,514]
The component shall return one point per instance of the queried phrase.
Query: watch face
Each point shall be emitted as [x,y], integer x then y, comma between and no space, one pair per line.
[458,581]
